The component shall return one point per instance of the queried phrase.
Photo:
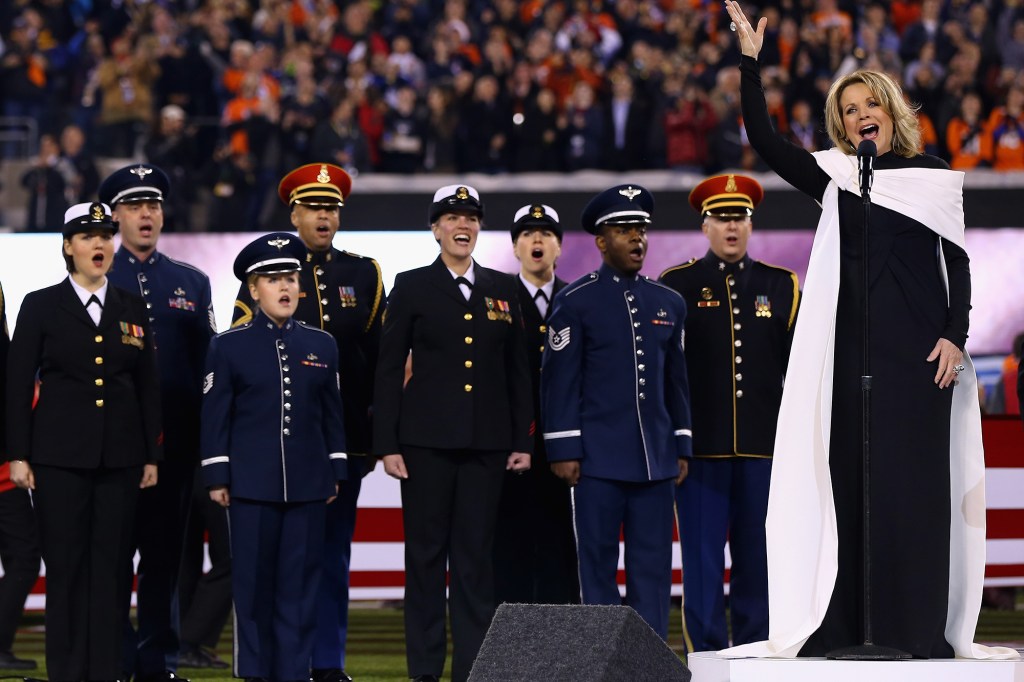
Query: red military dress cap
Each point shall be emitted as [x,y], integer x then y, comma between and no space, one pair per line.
[315,184]
[723,195]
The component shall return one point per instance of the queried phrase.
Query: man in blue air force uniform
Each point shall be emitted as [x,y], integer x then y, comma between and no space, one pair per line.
[343,294]
[180,308]
[738,334]
[616,409]
[273,447]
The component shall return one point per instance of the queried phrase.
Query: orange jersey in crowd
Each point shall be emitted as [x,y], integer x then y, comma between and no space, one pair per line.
[965,144]
[1005,134]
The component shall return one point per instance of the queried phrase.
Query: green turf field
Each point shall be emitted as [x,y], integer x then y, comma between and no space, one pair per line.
[376,652]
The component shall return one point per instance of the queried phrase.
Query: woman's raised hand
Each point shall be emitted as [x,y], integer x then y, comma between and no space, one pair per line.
[750,39]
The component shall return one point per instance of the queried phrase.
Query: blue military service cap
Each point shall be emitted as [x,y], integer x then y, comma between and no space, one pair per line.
[536,215]
[88,217]
[455,199]
[139,182]
[271,254]
[620,205]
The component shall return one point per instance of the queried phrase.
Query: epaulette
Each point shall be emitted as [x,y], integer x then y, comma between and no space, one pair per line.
[681,266]
[186,265]
[237,328]
[580,283]
[312,329]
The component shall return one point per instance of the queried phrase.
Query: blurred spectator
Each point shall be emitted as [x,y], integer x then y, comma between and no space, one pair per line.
[588,26]
[628,122]
[23,76]
[89,52]
[46,187]
[484,127]
[540,137]
[442,122]
[126,81]
[353,37]
[929,136]
[1004,131]
[402,141]
[585,130]
[172,147]
[300,113]
[876,34]
[233,188]
[927,29]
[340,140]
[804,128]
[84,177]
[410,67]
[981,33]
[1011,38]
[688,120]
[964,135]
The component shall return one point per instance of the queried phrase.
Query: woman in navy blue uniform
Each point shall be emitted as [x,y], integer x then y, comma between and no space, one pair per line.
[273,452]
[450,433]
[91,442]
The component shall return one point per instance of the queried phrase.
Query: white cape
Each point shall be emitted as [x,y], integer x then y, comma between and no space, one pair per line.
[801,522]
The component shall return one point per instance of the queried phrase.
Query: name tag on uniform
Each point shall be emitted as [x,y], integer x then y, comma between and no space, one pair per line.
[498,309]
[131,335]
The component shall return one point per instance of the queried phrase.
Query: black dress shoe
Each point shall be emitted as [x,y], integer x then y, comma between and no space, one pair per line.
[426,678]
[199,657]
[330,675]
[9,661]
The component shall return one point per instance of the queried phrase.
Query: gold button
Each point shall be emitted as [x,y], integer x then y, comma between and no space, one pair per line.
[99,360]
[98,339]
[468,387]
[469,339]
[543,328]
[468,316]
[99,382]
[469,364]
[99,403]
[542,349]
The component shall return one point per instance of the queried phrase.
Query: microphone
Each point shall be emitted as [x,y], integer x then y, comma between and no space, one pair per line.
[866,152]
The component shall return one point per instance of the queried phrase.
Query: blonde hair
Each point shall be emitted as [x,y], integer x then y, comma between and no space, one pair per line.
[906,131]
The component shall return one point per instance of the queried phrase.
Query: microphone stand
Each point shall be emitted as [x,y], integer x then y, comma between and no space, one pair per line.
[868,650]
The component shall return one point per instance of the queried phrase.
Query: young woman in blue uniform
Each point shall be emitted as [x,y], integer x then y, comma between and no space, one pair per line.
[92,440]
[273,452]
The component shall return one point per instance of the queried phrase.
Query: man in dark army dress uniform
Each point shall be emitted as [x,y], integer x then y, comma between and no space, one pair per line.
[738,334]
[179,303]
[343,294]
[534,547]
[616,409]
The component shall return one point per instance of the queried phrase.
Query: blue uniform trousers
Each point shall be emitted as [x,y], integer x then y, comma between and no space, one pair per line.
[643,512]
[724,499]
[277,554]
[332,602]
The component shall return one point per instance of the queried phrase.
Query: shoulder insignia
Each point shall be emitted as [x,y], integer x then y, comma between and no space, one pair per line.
[207,383]
[558,340]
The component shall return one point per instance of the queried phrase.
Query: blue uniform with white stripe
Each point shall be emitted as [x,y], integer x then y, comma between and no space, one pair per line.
[614,396]
[273,433]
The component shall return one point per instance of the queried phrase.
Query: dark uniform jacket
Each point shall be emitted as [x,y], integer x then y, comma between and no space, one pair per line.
[273,428]
[536,340]
[614,391]
[738,334]
[470,385]
[343,294]
[99,397]
[180,307]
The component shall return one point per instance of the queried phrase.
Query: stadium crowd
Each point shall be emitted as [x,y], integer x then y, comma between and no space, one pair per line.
[226,94]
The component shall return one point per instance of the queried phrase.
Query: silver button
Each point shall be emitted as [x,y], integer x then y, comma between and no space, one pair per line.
[739,394]
[287,393]
[636,324]
[323,301]
[284,356]
[737,326]
[735,311]
[287,420]
[739,377]
[287,406]
[732,282]
[280,344]
[321,286]
[319,272]
[639,338]
[327,318]
[285,368]
[145,292]
[632,310]
[733,295]
[640,351]
[287,380]
[149,305]
[642,396]
[641,367]
[738,359]
[643,382]
[286,432]
[142,278]
[629,298]
[738,343]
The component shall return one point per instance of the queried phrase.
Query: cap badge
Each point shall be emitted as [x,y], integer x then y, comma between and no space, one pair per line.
[96,211]
[538,212]
[141,171]
[706,294]
[730,184]
[630,192]
[279,243]
[179,292]
[462,193]
[323,176]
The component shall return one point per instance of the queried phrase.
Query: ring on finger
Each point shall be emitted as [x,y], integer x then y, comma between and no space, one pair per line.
[958,368]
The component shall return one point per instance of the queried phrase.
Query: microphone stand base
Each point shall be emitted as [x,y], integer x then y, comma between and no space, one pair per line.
[868,652]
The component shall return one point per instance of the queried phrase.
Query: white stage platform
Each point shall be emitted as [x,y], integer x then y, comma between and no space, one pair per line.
[708,666]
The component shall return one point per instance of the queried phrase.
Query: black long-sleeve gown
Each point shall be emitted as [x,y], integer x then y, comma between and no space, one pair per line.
[910,479]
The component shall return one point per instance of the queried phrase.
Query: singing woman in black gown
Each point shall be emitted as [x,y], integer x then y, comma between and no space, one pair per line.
[917,336]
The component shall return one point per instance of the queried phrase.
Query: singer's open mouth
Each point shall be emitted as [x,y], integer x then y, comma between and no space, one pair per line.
[869,132]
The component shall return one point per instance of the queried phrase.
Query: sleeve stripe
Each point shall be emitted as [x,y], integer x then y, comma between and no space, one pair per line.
[338,455]
[563,434]
[224,459]
[683,432]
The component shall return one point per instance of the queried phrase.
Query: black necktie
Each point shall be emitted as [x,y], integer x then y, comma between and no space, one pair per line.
[463,280]
[94,299]
[541,300]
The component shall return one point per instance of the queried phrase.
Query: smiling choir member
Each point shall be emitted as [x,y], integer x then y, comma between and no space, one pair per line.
[92,441]
[450,434]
